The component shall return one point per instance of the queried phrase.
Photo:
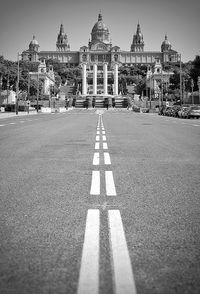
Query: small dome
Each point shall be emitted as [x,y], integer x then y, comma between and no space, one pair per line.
[34,41]
[99,25]
[166,42]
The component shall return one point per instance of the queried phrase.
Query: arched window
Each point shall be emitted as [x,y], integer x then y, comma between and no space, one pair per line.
[84,57]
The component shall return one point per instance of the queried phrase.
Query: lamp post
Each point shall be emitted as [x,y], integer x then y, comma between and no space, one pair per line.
[28,93]
[150,91]
[37,88]
[183,90]
[161,86]
[199,87]
[180,79]
[192,86]
[17,86]
[0,86]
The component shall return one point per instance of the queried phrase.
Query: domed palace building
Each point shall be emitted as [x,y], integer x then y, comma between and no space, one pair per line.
[100,55]
[100,49]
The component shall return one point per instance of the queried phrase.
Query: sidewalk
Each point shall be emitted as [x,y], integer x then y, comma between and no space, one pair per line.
[23,113]
[13,114]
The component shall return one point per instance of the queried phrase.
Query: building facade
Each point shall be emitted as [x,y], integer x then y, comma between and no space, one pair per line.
[100,50]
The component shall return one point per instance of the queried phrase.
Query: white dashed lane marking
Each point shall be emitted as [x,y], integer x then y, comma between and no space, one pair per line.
[105,146]
[98,132]
[97,138]
[96,145]
[2,125]
[89,272]
[95,184]
[104,138]
[96,158]
[103,132]
[123,275]
[107,158]
[110,185]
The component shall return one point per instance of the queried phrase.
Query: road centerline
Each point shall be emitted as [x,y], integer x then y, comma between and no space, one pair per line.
[123,276]
[89,271]
[96,158]
[95,184]
[110,185]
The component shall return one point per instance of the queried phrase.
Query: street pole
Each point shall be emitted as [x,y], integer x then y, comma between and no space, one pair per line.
[17,86]
[28,94]
[192,86]
[180,81]
[1,82]
[199,87]
[150,91]
[161,86]
[7,85]
[183,90]
[37,88]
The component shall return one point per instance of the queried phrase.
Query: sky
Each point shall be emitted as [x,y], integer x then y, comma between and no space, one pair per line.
[179,19]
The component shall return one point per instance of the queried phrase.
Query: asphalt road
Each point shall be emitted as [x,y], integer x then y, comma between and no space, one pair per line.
[57,236]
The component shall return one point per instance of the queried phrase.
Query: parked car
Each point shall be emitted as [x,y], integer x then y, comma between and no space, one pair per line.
[136,108]
[167,111]
[174,110]
[161,110]
[144,110]
[193,111]
[182,113]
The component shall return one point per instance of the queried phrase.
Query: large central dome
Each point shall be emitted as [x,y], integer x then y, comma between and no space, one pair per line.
[100,32]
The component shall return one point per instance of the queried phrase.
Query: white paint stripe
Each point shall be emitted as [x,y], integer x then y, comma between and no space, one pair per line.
[96,145]
[123,276]
[104,138]
[95,185]
[97,138]
[22,121]
[96,158]
[89,272]
[103,129]
[196,125]
[110,185]
[107,158]
[2,125]
[103,132]
[12,123]
[98,132]
[105,146]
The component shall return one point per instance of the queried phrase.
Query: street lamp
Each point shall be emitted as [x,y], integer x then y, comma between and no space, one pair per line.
[180,79]
[192,86]
[161,87]
[199,87]
[17,86]
[37,88]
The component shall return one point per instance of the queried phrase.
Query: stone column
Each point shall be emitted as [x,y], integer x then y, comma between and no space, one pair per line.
[84,83]
[94,79]
[105,78]
[115,79]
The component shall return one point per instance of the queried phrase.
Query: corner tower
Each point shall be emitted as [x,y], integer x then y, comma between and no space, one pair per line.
[138,43]
[62,40]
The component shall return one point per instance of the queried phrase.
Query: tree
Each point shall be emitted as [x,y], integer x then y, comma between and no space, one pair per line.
[195,71]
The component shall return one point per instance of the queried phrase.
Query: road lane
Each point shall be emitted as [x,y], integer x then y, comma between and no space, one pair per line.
[156,166]
[45,178]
